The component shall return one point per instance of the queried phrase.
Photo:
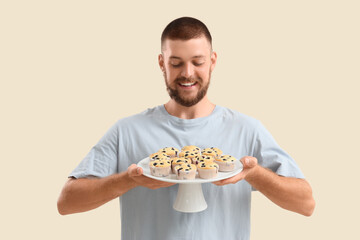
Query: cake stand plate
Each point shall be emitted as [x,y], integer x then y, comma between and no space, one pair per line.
[190,197]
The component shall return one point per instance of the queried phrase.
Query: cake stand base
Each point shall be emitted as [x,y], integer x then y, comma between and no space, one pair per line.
[190,198]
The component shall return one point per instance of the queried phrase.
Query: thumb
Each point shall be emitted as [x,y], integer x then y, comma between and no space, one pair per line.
[248,162]
[134,170]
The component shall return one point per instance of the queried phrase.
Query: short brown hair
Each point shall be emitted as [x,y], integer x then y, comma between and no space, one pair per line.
[185,28]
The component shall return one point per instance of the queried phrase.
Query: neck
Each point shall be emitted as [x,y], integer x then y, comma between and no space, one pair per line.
[201,109]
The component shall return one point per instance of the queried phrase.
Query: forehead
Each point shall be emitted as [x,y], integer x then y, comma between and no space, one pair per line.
[185,49]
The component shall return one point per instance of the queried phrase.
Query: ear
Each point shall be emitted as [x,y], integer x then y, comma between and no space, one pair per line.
[161,62]
[213,59]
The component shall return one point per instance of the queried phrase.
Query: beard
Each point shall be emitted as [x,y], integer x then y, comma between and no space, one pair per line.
[183,100]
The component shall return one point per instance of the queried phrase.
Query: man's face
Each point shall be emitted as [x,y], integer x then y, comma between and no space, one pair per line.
[187,67]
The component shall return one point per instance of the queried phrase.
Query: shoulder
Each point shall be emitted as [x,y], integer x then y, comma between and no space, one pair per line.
[139,118]
[236,117]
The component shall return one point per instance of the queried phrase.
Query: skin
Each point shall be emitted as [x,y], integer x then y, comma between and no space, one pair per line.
[84,194]
[183,62]
[191,59]
[289,193]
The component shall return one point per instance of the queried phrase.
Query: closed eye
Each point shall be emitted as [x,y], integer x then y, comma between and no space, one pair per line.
[176,65]
[180,64]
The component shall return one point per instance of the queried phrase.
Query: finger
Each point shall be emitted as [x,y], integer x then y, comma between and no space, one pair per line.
[140,171]
[252,162]
[248,162]
[169,184]
[244,161]
[225,181]
[134,170]
[231,180]
[218,183]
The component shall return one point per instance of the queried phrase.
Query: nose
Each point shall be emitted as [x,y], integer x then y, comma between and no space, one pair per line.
[187,71]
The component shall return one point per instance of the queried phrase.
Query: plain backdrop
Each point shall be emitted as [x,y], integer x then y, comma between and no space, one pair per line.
[71,69]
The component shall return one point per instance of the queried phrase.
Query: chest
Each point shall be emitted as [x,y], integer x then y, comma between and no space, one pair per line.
[140,141]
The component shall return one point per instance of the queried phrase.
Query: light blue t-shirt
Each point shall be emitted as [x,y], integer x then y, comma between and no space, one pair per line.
[148,214]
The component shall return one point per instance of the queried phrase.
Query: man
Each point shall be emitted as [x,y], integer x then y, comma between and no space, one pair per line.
[188,118]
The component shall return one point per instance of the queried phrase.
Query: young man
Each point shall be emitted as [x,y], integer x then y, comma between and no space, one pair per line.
[188,118]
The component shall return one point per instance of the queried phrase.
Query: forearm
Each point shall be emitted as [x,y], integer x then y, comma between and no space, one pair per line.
[80,195]
[290,193]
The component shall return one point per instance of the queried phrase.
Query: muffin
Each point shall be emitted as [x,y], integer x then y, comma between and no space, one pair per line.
[208,170]
[159,156]
[226,163]
[185,171]
[178,161]
[217,151]
[204,158]
[160,168]
[170,151]
[192,156]
[191,148]
[209,152]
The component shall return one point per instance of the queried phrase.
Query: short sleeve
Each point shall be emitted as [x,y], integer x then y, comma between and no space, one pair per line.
[270,155]
[102,160]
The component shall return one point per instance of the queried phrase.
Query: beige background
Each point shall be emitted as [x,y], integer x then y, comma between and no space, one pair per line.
[70,69]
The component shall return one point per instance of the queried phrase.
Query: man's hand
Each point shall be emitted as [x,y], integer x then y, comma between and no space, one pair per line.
[248,165]
[290,193]
[136,175]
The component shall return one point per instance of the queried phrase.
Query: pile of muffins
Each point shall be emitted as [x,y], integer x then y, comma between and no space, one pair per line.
[189,161]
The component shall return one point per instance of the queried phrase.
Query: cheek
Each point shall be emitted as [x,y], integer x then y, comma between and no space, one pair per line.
[204,70]
[172,74]
[204,73]
[170,77]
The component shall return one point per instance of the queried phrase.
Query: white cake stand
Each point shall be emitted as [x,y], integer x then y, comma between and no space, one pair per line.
[190,197]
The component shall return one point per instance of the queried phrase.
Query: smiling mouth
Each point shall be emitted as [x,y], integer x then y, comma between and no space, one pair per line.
[187,84]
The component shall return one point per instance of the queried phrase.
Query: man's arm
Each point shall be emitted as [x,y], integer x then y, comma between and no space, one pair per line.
[290,193]
[84,194]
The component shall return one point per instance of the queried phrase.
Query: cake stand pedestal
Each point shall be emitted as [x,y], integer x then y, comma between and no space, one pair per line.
[190,198]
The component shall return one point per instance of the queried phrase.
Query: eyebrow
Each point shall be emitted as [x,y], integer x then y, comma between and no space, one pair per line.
[197,56]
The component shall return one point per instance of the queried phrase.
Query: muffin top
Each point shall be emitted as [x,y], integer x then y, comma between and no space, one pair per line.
[159,156]
[171,151]
[160,163]
[186,167]
[191,148]
[209,152]
[188,154]
[179,160]
[205,158]
[226,158]
[217,150]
